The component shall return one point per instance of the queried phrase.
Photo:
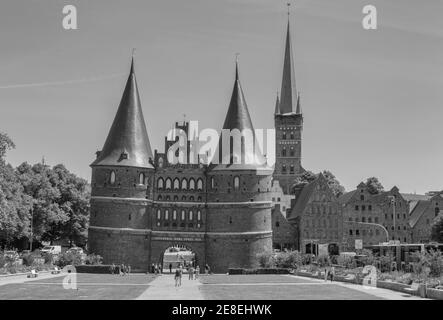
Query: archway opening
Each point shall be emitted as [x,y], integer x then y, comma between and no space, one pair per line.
[177,255]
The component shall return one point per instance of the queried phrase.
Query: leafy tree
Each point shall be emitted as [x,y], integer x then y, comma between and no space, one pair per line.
[333,183]
[374,186]
[5,144]
[437,229]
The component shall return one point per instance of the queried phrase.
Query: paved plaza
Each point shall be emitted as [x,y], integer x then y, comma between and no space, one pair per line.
[162,287]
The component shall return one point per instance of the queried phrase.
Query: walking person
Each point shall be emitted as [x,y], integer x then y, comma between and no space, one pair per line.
[332,273]
[170,268]
[112,268]
[155,268]
[197,272]
[191,272]
[178,277]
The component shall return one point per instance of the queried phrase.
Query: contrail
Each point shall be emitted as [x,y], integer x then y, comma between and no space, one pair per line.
[60,83]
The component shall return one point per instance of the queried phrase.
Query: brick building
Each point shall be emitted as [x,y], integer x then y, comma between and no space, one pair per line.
[375,218]
[317,217]
[423,213]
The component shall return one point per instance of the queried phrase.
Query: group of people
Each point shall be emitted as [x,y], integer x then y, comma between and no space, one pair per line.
[156,268]
[121,269]
[192,272]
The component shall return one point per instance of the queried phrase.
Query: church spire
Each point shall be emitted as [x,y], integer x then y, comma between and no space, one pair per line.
[127,143]
[298,104]
[277,105]
[288,96]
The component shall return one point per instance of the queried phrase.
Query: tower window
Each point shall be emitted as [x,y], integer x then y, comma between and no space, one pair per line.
[199,215]
[437,211]
[200,185]
[176,184]
[291,169]
[191,215]
[292,135]
[112,178]
[168,184]
[184,184]
[284,136]
[283,152]
[292,152]
[160,184]
[166,214]
[236,183]
[212,183]
[191,184]
[159,214]
[183,216]
[174,215]
[283,168]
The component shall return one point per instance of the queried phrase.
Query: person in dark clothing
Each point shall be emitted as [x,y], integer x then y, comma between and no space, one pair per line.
[170,268]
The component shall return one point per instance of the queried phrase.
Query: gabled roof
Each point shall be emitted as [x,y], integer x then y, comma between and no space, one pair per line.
[418,211]
[127,143]
[344,198]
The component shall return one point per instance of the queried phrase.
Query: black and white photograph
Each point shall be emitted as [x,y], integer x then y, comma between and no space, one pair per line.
[243,152]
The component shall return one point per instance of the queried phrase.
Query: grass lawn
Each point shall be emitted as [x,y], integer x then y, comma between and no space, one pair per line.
[90,287]
[275,287]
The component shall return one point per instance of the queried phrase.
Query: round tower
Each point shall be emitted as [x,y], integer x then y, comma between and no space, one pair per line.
[122,180]
[239,202]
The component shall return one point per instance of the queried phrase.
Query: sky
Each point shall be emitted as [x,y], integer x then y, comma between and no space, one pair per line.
[372,99]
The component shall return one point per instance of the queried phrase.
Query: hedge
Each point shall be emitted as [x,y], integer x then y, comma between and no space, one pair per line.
[234,271]
[101,268]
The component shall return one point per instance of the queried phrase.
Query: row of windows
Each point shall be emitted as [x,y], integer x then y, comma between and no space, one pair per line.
[363,207]
[322,223]
[392,216]
[284,169]
[364,232]
[291,136]
[291,152]
[164,215]
[322,235]
[322,209]
[142,179]
[363,219]
[184,185]
[176,198]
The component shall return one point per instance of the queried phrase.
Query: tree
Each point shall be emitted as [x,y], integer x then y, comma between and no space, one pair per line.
[334,184]
[14,203]
[437,229]
[374,186]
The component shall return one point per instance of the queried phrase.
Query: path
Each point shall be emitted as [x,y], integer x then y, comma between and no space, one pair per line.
[163,288]
[23,278]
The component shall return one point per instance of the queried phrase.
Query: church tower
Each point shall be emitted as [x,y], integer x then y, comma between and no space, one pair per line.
[288,120]
[122,179]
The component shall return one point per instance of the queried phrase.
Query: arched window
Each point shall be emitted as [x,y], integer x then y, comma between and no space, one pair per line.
[199,215]
[184,184]
[159,183]
[291,169]
[292,135]
[159,198]
[283,168]
[236,183]
[168,198]
[184,198]
[199,184]
[159,214]
[283,152]
[199,199]
[183,216]
[160,162]
[190,215]
[291,152]
[284,136]
[168,184]
[191,198]
[174,214]
[166,214]
[176,184]
[176,198]
[191,184]
[212,183]
[141,178]
[112,177]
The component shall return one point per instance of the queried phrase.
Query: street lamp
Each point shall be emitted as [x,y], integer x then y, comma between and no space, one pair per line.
[31,233]
[373,224]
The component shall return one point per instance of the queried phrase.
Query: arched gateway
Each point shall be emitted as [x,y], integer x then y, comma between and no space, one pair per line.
[141,204]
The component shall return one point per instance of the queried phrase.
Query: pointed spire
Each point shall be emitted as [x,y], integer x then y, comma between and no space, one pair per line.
[288,88]
[127,143]
[277,105]
[238,117]
[298,104]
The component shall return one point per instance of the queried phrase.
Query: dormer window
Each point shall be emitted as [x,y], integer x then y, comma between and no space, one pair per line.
[124,155]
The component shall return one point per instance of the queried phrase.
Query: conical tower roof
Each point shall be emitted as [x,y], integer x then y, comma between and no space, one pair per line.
[288,98]
[127,143]
[248,156]
[277,105]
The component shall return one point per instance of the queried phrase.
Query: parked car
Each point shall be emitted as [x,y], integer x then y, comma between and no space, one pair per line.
[51,249]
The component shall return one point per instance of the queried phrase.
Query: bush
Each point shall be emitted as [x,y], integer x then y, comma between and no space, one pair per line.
[2,260]
[289,259]
[323,260]
[347,261]
[266,260]
[28,259]
[72,258]
[101,268]
[94,259]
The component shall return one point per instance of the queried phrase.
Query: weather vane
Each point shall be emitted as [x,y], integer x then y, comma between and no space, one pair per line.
[133,52]
[236,57]
[288,4]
